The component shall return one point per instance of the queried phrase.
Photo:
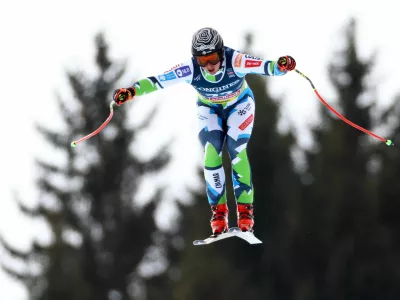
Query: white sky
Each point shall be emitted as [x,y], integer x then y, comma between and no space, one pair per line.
[40,39]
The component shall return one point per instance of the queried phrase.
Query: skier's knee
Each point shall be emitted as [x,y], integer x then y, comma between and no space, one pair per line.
[235,147]
[212,157]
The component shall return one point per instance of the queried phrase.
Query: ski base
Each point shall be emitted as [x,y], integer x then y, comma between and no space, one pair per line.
[233,231]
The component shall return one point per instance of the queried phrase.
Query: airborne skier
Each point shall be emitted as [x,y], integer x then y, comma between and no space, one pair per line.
[226,111]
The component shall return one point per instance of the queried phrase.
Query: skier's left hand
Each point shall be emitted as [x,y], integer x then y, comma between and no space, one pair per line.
[286,63]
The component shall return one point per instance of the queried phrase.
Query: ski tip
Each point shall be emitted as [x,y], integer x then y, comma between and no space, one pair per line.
[199,242]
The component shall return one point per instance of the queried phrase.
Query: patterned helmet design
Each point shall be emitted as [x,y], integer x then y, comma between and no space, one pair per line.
[205,41]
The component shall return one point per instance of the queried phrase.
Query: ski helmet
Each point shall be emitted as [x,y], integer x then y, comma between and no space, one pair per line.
[206,41]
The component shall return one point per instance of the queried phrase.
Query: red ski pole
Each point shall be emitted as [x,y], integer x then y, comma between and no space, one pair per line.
[74,143]
[387,142]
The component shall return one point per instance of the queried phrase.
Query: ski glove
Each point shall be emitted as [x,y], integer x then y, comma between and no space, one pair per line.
[120,96]
[286,63]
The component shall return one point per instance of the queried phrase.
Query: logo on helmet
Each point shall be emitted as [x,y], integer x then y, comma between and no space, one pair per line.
[204,47]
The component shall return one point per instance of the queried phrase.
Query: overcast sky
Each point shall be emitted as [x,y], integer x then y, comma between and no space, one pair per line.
[41,39]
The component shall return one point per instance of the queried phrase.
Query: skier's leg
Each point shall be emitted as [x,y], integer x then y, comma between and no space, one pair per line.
[240,126]
[212,138]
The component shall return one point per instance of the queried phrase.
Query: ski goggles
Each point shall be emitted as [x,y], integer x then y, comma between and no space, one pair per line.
[212,58]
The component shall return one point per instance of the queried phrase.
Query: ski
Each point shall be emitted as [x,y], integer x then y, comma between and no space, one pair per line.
[247,236]
[234,231]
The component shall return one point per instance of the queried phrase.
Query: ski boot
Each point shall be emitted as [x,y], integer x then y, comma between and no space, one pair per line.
[245,216]
[219,219]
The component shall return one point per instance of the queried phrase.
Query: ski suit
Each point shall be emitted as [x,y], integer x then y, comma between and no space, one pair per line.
[226,111]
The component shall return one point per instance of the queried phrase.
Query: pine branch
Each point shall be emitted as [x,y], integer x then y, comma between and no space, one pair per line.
[68,115]
[31,212]
[50,167]
[57,140]
[20,276]
[159,161]
[45,184]
[23,255]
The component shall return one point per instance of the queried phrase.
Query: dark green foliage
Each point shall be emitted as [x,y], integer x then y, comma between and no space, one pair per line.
[92,196]
[342,244]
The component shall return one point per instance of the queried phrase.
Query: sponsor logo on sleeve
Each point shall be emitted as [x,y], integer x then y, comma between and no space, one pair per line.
[238,60]
[252,63]
[167,76]
[174,67]
[183,71]
[252,57]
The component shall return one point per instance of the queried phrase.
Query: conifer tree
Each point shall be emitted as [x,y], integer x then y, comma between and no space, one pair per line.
[339,225]
[91,197]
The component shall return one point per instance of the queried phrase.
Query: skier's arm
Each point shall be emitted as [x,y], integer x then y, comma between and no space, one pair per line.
[246,64]
[179,73]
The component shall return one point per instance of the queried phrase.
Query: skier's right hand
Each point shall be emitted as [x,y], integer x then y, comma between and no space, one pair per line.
[120,96]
